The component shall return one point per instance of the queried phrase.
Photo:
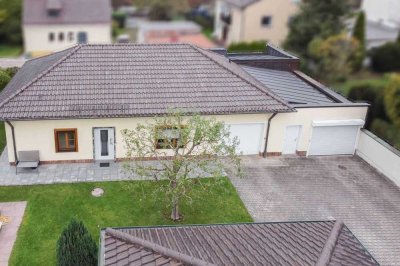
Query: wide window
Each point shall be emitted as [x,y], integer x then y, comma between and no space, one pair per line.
[167,137]
[66,140]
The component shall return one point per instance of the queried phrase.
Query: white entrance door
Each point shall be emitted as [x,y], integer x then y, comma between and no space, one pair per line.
[249,135]
[292,135]
[104,144]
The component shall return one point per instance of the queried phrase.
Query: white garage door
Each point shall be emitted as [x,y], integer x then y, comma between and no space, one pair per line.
[249,135]
[331,140]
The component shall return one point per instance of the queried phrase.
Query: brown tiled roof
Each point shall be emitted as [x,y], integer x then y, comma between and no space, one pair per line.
[124,80]
[290,243]
[35,12]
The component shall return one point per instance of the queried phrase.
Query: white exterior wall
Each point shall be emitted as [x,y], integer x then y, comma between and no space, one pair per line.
[246,23]
[36,37]
[305,117]
[39,135]
[380,155]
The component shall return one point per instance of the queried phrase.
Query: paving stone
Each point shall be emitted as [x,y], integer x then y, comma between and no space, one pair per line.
[320,188]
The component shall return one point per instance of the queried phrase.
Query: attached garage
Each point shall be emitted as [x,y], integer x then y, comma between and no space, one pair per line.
[334,137]
[250,136]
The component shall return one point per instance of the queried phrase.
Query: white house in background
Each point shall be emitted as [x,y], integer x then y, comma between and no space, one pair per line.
[54,25]
[383,21]
[71,106]
[252,20]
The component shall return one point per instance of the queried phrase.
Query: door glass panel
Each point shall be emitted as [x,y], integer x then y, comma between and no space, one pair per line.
[104,142]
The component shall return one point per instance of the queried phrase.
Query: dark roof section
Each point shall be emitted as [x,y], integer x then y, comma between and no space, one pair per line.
[289,86]
[241,3]
[38,12]
[290,243]
[279,71]
[124,80]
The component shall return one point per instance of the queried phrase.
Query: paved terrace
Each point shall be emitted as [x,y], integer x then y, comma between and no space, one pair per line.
[60,173]
[65,173]
[320,188]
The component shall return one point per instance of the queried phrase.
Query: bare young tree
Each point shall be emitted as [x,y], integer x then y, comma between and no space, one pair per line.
[183,149]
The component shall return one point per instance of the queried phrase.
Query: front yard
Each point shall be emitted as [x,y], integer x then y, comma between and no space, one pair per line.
[50,208]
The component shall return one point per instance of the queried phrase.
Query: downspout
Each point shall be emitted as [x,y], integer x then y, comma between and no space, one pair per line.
[13,138]
[267,135]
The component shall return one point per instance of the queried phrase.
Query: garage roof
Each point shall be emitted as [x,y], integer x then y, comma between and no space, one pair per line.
[289,86]
[290,243]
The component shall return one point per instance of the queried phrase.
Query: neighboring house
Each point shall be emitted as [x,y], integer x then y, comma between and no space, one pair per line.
[54,25]
[383,21]
[288,243]
[172,32]
[252,20]
[73,105]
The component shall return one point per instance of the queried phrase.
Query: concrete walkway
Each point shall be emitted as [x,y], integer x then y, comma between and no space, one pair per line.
[320,188]
[8,233]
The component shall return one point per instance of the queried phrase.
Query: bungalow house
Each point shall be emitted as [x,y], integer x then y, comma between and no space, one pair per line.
[72,105]
[289,243]
[54,25]
[253,20]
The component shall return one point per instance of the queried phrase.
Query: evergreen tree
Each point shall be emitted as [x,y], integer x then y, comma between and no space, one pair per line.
[359,35]
[76,247]
[359,29]
[316,19]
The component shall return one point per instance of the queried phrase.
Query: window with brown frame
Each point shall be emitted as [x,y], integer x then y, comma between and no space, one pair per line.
[66,139]
[167,137]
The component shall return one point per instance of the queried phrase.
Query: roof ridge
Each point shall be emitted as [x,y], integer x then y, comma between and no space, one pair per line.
[190,260]
[246,79]
[330,244]
[73,50]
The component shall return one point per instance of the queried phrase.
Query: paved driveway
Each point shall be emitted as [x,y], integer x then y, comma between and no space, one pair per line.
[320,188]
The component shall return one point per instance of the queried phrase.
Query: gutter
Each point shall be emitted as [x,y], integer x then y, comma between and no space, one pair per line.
[13,138]
[267,135]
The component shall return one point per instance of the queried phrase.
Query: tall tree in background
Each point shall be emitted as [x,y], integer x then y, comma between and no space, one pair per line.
[359,35]
[10,22]
[333,57]
[316,19]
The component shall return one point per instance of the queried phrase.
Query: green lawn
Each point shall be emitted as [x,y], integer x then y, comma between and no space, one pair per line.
[10,51]
[50,208]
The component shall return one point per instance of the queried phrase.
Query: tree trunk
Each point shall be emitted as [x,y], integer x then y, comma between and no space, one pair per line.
[175,210]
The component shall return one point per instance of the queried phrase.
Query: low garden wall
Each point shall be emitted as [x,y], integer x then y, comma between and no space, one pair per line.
[381,155]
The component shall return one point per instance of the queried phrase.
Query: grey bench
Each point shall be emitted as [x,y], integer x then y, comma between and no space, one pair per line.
[27,159]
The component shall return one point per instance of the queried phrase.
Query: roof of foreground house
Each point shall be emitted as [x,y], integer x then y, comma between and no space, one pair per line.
[124,80]
[67,12]
[288,243]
